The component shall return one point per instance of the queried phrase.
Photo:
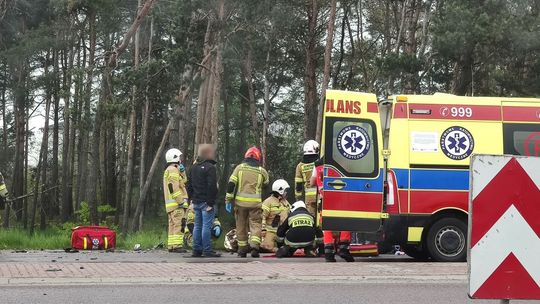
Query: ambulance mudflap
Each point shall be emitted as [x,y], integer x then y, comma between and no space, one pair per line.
[353,171]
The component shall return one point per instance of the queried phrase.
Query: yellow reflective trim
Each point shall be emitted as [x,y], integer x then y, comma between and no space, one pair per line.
[170,205]
[259,182]
[415,234]
[106,241]
[239,182]
[242,243]
[233,178]
[3,186]
[85,243]
[298,180]
[247,199]
[353,214]
[264,207]
[176,194]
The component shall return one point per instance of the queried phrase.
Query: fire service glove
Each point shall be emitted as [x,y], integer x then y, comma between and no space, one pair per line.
[181,168]
[228,207]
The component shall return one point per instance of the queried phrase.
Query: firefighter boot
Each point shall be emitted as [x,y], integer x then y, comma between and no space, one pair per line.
[344,252]
[329,253]
[255,253]
[283,251]
[243,251]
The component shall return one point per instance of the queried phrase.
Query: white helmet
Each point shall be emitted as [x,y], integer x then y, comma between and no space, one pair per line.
[298,204]
[173,155]
[280,186]
[311,147]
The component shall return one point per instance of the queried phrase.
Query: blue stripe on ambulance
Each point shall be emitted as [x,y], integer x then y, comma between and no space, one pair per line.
[433,179]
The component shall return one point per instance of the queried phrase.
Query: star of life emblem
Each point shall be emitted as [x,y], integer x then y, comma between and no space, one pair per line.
[353,142]
[457,143]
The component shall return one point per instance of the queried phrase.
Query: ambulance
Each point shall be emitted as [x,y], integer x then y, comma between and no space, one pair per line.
[399,168]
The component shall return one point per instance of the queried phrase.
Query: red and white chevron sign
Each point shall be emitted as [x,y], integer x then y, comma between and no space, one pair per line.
[504,227]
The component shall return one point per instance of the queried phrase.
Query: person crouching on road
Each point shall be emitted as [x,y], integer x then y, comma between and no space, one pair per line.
[245,190]
[202,189]
[275,209]
[176,200]
[298,231]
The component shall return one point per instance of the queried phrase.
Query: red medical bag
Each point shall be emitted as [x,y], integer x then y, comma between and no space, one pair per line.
[93,237]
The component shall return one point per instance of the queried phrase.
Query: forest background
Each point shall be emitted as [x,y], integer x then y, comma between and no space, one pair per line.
[93,92]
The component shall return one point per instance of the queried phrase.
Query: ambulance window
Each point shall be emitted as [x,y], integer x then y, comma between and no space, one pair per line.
[522,139]
[353,147]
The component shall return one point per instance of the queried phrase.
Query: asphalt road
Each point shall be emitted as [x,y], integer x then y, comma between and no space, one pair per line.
[255,293]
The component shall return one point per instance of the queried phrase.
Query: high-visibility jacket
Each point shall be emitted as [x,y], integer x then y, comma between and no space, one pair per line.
[302,183]
[174,188]
[272,207]
[246,184]
[299,230]
[3,188]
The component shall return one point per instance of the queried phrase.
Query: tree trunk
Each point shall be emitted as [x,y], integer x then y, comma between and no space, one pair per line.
[67,206]
[20,135]
[266,109]
[41,172]
[248,78]
[86,123]
[132,138]
[310,75]
[327,65]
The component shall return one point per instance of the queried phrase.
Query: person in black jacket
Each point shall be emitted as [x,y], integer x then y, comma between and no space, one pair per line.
[298,231]
[202,191]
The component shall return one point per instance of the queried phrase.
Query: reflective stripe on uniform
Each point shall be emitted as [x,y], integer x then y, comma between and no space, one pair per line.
[255,239]
[170,203]
[175,240]
[233,179]
[271,229]
[242,243]
[298,244]
[311,191]
[3,186]
[176,194]
[106,241]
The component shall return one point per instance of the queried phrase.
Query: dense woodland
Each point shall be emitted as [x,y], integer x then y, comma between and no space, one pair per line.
[93,92]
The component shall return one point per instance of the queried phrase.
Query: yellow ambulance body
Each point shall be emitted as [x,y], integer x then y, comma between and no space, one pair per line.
[400,167]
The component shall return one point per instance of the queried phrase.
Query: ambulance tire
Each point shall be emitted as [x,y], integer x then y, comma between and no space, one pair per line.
[415,252]
[447,240]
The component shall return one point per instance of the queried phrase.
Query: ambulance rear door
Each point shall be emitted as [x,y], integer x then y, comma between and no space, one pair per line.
[353,166]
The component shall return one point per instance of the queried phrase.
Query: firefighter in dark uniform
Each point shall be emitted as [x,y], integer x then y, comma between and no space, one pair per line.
[299,231]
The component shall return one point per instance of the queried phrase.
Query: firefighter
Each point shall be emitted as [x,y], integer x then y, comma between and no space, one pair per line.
[244,190]
[176,200]
[302,188]
[332,239]
[275,210]
[3,192]
[298,231]
[190,223]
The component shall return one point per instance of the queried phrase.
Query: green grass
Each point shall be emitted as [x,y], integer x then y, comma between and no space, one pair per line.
[19,239]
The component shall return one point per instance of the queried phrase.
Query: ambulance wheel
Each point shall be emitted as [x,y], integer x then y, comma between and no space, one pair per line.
[447,240]
[415,252]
